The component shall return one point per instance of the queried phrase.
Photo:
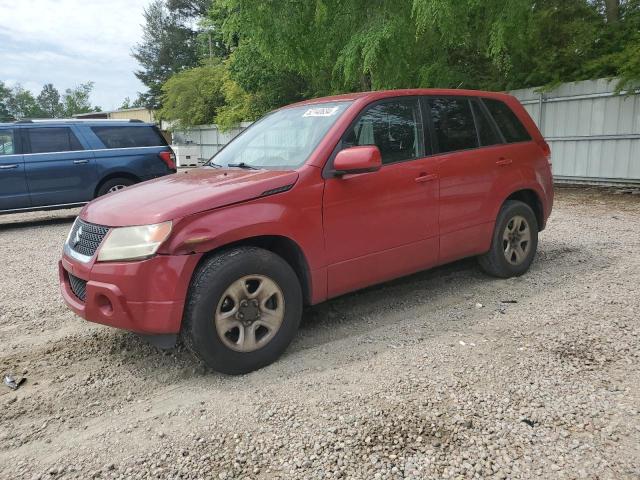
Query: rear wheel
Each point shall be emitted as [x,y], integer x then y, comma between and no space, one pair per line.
[114,185]
[243,310]
[514,242]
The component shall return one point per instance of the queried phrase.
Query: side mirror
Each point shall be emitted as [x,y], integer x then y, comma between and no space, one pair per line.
[357,160]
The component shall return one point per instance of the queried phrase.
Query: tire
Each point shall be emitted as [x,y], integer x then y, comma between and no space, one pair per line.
[113,184]
[511,254]
[217,326]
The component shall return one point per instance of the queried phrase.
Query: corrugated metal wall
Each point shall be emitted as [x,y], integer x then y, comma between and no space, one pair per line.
[594,134]
[204,141]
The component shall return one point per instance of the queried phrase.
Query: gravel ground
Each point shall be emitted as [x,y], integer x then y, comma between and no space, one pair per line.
[445,374]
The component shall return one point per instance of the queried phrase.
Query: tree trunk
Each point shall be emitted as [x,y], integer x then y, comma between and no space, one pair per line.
[612,10]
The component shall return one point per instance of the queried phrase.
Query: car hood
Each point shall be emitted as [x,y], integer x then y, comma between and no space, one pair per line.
[181,194]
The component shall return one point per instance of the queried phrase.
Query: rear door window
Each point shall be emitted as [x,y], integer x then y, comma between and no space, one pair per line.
[453,124]
[129,137]
[52,139]
[509,124]
[487,134]
[6,142]
[395,127]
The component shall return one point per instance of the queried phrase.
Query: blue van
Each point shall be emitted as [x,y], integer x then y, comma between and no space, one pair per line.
[47,164]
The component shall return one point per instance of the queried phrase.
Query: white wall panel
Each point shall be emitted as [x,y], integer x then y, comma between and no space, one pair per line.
[594,133]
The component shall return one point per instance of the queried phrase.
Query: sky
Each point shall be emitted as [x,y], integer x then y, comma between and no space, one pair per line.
[68,42]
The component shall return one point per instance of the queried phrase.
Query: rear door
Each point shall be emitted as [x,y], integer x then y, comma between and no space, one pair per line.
[59,171]
[468,148]
[13,185]
[133,149]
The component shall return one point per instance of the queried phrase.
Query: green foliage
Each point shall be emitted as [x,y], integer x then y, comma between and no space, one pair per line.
[128,103]
[76,100]
[17,103]
[276,52]
[49,102]
[169,45]
[193,97]
[5,94]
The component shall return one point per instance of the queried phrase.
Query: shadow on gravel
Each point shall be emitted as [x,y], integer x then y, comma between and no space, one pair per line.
[36,222]
[450,286]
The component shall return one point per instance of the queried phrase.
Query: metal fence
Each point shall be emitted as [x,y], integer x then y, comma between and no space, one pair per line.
[593,132]
[197,145]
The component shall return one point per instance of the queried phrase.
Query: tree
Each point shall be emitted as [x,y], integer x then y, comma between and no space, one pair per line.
[22,104]
[189,8]
[612,10]
[5,94]
[76,100]
[49,102]
[127,103]
[193,97]
[168,46]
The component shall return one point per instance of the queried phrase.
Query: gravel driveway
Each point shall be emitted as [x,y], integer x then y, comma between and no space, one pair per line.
[445,374]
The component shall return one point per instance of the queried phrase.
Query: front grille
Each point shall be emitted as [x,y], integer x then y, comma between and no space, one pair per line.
[78,287]
[86,237]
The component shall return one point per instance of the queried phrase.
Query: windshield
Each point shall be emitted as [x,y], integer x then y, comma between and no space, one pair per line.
[283,139]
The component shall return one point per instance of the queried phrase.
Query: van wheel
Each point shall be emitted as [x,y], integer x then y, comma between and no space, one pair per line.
[514,243]
[113,185]
[243,309]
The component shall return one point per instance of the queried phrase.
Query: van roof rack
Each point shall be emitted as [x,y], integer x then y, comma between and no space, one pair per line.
[78,120]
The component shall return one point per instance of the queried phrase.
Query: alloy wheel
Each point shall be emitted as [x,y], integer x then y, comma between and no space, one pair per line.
[249,313]
[516,240]
[115,188]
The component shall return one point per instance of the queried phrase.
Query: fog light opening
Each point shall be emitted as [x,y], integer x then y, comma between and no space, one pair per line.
[105,305]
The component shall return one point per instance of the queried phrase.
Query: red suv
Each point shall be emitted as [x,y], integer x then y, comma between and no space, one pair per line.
[314,200]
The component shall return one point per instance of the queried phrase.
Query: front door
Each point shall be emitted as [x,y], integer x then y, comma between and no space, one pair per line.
[58,169]
[13,186]
[384,224]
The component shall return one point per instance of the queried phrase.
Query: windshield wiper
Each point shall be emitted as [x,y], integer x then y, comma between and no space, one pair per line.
[242,165]
[213,165]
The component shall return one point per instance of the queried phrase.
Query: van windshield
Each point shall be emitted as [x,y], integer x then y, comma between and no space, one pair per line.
[283,139]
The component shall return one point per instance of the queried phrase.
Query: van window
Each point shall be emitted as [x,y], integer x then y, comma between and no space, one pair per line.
[486,132]
[6,142]
[129,136]
[52,139]
[453,124]
[395,127]
[509,124]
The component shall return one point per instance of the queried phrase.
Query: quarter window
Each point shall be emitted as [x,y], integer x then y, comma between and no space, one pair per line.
[129,137]
[486,133]
[453,124]
[6,142]
[48,139]
[511,128]
[395,127]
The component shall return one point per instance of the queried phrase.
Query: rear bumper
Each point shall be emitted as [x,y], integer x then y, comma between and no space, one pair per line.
[144,297]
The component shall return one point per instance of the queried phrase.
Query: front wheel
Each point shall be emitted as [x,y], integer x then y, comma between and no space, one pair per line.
[514,242]
[243,309]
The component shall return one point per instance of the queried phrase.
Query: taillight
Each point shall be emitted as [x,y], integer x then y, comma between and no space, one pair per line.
[169,158]
[546,150]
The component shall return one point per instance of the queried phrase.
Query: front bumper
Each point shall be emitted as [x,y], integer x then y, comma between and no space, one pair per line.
[145,296]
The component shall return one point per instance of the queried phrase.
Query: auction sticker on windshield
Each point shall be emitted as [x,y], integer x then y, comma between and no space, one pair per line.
[321,112]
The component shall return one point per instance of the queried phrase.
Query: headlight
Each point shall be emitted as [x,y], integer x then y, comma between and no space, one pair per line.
[131,243]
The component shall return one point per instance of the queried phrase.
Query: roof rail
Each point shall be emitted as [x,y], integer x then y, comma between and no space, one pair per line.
[135,120]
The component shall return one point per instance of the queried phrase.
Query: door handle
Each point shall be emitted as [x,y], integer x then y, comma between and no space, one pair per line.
[426,178]
[504,161]
[79,162]
[7,167]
